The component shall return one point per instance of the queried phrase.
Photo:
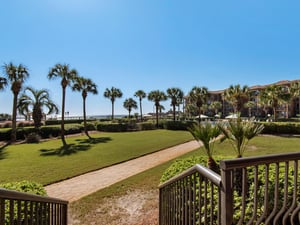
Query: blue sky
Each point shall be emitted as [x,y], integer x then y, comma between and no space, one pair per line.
[150,45]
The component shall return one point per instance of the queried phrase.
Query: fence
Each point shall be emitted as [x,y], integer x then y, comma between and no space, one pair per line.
[22,208]
[254,190]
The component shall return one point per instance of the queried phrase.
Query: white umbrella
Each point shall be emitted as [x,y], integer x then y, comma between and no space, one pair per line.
[202,116]
[232,116]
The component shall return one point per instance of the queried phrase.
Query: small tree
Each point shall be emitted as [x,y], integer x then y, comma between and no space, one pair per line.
[130,104]
[112,94]
[140,94]
[239,133]
[207,134]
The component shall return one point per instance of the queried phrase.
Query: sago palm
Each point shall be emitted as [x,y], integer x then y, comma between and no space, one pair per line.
[207,133]
[239,133]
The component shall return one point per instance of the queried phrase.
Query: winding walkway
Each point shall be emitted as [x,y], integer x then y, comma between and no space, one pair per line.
[80,186]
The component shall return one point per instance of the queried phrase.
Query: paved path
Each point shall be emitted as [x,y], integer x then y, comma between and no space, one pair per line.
[80,186]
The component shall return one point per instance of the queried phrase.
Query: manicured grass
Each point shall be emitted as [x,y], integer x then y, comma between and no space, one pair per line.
[262,145]
[46,163]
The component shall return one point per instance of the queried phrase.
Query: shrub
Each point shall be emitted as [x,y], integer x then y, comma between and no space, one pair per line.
[33,138]
[177,125]
[25,186]
[281,127]
[146,126]
[181,165]
[112,127]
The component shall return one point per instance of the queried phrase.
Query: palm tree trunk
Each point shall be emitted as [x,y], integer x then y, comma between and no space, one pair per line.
[141,111]
[84,119]
[211,164]
[62,132]
[14,119]
[156,116]
[174,112]
[112,110]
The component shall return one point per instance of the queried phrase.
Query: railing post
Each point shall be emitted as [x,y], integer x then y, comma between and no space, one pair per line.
[226,197]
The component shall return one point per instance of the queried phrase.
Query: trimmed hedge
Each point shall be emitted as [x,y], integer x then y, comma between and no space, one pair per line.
[177,125]
[112,127]
[281,127]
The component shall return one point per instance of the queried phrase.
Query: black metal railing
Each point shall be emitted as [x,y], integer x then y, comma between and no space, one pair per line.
[253,190]
[22,208]
[190,197]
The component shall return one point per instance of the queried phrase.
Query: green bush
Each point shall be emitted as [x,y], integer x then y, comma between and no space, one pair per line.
[25,186]
[73,129]
[112,127]
[281,127]
[146,126]
[177,125]
[181,165]
[33,138]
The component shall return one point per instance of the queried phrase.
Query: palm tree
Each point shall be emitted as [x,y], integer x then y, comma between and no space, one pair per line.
[295,91]
[198,96]
[140,94]
[215,106]
[272,96]
[237,96]
[176,96]
[16,76]
[67,76]
[250,105]
[156,97]
[112,94]
[130,104]
[207,134]
[36,100]
[84,86]
[239,133]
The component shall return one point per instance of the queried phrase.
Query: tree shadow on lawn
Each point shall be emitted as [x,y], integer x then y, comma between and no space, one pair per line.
[2,151]
[81,145]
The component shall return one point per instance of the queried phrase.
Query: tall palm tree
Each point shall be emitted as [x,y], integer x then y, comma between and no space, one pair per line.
[156,97]
[272,96]
[112,94]
[237,96]
[198,96]
[140,94]
[37,101]
[84,86]
[130,104]
[295,91]
[67,76]
[16,76]
[176,95]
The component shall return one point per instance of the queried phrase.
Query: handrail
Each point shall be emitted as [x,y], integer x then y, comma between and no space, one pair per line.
[10,194]
[257,160]
[211,175]
[26,208]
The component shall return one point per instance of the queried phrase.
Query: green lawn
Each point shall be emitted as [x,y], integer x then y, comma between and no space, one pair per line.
[45,163]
